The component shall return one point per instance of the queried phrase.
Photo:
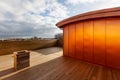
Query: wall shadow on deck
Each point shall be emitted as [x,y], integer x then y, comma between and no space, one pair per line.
[47,51]
[7,71]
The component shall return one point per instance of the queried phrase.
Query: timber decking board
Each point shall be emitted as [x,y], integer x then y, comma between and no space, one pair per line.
[53,66]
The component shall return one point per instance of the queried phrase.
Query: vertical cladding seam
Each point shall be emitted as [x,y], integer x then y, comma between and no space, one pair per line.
[63,41]
[68,39]
[75,40]
[105,43]
[83,41]
[93,42]
[105,46]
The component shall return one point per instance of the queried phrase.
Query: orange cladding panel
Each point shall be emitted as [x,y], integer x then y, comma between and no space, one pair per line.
[96,41]
[65,41]
[88,41]
[99,41]
[72,40]
[79,40]
[113,42]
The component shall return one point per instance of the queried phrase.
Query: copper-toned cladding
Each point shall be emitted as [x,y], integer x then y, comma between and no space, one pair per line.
[88,41]
[65,42]
[71,40]
[93,37]
[113,42]
[99,41]
[79,40]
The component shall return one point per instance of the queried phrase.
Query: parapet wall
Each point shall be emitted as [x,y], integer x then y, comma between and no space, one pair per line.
[8,47]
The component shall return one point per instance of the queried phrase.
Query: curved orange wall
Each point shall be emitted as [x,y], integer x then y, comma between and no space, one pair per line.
[96,41]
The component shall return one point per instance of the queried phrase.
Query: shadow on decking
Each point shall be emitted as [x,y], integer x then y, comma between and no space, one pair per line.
[7,71]
[48,51]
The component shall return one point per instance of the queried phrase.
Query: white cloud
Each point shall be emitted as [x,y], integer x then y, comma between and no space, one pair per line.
[108,4]
[79,1]
[82,6]
[74,2]
[39,12]
[32,10]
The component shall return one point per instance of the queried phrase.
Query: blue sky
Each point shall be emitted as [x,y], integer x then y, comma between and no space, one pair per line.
[38,17]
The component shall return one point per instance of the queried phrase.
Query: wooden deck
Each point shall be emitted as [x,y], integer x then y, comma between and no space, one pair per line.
[49,64]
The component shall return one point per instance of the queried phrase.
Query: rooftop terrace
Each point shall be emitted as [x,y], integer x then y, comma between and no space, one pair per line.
[49,64]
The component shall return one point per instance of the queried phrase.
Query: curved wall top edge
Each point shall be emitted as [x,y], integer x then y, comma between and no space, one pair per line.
[110,12]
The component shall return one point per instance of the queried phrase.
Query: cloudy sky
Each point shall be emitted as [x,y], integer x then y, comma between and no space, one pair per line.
[22,18]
